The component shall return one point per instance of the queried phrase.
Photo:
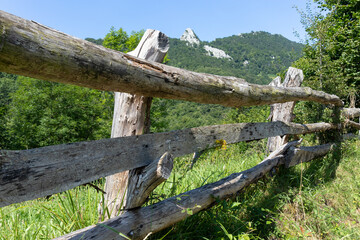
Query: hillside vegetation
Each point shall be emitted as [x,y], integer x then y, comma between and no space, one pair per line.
[256,57]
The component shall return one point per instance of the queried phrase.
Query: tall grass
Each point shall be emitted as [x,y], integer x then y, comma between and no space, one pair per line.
[317,200]
[52,217]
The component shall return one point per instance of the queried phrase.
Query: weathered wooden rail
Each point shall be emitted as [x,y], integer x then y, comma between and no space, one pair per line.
[138,223]
[34,173]
[31,49]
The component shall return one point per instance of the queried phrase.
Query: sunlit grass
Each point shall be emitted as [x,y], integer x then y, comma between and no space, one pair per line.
[327,206]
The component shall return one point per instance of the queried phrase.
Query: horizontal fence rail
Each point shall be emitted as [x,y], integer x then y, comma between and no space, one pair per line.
[34,173]
[138,223]
[351,112]
[31,49]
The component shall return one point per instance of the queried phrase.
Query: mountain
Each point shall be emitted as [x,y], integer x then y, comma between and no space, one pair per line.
[257,56]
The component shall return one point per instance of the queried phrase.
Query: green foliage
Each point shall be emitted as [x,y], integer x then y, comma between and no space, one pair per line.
[331,60]
[172,114]
[45,113]
[265,53]
[8,86]
[249,114]
[36,113]
[119,40]
[98,41]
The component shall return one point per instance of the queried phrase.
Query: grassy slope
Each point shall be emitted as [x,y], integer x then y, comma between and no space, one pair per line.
[326,206]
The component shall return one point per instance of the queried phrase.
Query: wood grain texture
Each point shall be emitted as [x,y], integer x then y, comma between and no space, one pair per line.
[138,223]
[130,118]
[34,173]
[350,112]
[30,49]
[353,124]
[305,154]
[284,111]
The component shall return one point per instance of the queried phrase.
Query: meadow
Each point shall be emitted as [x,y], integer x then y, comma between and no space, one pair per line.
[316,200]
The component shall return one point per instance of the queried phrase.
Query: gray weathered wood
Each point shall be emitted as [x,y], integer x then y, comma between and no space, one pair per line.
[351,112]
[34,173]
[129,119]
[31,49]
[353,124]
[284,111]
[305,154]
[140,222]
[144,180]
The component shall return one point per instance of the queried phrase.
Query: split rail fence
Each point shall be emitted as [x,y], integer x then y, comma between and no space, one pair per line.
[31,49]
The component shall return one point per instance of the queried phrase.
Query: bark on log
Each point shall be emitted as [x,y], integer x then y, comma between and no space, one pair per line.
[130,113]
[34,173]
[305,154]
[351,112]
[353,124]
[284,111]
[138,223]
[31,49]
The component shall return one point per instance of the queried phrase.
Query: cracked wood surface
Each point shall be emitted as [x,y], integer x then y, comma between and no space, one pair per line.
[30,49]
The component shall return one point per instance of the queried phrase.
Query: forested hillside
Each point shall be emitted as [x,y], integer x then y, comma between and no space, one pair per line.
[257,57]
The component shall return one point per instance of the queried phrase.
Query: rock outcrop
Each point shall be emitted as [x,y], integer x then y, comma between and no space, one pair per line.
[215,52]
[190,37]
[192,40]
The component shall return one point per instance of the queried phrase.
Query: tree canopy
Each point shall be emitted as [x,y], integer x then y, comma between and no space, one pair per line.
[119,40]
[36,113]
[331,60]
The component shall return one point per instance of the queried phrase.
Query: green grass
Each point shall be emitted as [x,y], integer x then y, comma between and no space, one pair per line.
[316,200]
[46,219]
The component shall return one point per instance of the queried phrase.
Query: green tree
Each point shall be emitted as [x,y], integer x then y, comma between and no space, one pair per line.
[8,85]
[41,113]
[45,113]
[331,60]
[119,40]
[98,41]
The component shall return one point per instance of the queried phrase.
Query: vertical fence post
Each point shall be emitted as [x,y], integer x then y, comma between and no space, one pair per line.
[131,117]
[284,111]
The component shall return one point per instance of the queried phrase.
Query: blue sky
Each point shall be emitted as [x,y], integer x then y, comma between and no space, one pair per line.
[210,19]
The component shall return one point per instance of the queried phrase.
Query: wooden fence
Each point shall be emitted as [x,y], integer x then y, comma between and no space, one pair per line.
[31,49]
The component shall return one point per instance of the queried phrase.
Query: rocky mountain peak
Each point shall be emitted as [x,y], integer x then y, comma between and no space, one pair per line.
[190,37]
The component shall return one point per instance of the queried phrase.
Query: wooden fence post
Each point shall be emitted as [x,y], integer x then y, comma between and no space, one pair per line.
[284,111]
[131,117]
